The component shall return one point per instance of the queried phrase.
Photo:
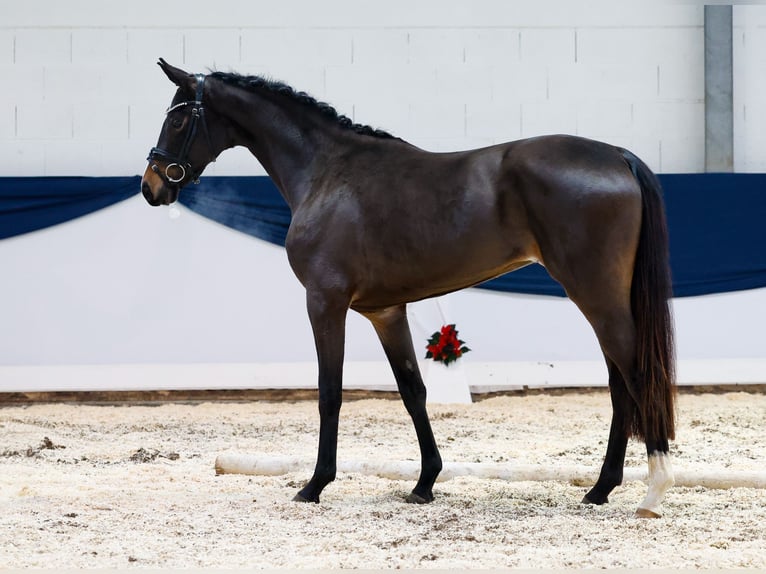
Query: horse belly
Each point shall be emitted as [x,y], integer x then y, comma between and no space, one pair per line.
[415,274]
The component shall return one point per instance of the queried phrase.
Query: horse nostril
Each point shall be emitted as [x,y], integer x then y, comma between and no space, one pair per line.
[146,190]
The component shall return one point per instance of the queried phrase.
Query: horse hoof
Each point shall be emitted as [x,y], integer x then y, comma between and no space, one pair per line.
[646,513]
[417,499]
[587,500]
[300,498]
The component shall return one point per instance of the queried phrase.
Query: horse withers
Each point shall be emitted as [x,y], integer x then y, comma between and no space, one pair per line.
[373,216]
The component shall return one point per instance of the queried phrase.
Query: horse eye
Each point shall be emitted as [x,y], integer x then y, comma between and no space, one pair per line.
[176,122]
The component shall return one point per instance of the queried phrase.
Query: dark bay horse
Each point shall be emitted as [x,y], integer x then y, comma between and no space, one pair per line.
[378,223]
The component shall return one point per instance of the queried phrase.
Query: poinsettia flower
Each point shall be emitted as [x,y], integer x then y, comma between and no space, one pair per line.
[444,345]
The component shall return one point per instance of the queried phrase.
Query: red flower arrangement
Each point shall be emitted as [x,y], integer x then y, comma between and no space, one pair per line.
[445,347]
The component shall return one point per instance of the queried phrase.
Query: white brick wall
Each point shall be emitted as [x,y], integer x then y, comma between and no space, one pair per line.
[43,46]
[547,46]
[7,43]
[373,48]
[7,123]
[749,43]
[295,47]
[45,121]
[494,47]
[444,75]
[22,157]
[208,48]
[146,45]
[341,14]
[105,47]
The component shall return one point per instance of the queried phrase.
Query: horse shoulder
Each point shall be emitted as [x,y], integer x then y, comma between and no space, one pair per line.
[320,232]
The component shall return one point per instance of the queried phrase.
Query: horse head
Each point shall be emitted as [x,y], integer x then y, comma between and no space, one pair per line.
[185,147]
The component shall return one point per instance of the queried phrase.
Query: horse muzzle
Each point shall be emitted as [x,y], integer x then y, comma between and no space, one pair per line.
[156,190]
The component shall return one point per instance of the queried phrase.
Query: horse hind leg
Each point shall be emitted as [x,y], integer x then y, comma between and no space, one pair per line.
[393,331]
[636,410]
[616,332]
[612,469]
[660,477]
[660,480]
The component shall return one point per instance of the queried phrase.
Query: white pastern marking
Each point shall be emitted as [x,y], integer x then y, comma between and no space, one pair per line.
[660,480]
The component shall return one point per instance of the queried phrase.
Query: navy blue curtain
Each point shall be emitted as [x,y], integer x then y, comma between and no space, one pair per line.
[716,222]
[252,205]
[31,203]
[717,231]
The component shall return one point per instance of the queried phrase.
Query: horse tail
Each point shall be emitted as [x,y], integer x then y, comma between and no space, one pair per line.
[650,295]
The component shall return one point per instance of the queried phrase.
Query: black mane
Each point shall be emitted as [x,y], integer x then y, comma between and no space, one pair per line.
[325,109]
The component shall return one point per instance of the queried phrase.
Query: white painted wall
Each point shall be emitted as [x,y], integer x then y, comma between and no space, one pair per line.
[81,95]
[749,60]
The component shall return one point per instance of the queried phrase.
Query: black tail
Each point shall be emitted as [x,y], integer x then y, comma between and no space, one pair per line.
[650,295]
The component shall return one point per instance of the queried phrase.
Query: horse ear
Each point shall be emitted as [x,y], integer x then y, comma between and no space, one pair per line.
[176,75]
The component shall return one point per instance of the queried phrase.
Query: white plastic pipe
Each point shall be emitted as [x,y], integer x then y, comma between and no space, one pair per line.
[410,469]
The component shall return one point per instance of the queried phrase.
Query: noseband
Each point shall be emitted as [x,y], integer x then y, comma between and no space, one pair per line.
[181,161]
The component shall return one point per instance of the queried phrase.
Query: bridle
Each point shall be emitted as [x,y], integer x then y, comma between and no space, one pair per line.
[181,161]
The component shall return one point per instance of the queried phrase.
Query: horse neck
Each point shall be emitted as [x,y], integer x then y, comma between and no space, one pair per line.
[285,138]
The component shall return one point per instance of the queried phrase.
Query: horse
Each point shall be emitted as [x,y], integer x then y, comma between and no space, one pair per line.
[378,223]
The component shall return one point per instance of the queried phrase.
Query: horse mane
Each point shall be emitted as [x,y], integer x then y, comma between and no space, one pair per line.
[253,83]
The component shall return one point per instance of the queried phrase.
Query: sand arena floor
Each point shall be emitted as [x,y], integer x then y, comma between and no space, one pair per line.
[89,486]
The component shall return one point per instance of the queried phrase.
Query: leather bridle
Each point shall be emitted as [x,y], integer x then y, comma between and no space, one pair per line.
[181,161]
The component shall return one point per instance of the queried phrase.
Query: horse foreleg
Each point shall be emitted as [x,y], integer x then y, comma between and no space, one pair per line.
[394,333]
[328,320]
